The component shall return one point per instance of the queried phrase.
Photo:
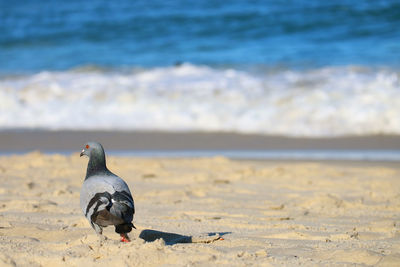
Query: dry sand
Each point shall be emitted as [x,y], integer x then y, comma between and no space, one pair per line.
[268,213]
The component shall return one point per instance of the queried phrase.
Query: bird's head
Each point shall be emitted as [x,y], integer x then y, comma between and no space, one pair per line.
[92,147]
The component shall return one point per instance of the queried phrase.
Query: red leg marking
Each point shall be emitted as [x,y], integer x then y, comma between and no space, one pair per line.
[125,238]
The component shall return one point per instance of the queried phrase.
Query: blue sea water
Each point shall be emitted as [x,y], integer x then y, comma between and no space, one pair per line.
[307,68]
[58,35]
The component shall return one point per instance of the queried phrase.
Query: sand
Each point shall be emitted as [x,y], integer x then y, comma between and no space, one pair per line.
[267,213]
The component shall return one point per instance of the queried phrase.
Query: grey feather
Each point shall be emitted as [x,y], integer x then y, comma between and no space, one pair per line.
[105,198]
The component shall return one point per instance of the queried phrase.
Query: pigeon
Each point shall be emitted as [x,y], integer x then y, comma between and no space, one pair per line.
[105,198]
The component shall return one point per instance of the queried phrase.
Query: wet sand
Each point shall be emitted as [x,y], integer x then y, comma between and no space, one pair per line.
[26,140]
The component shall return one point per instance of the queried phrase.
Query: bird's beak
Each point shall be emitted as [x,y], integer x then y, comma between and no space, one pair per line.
[82,153]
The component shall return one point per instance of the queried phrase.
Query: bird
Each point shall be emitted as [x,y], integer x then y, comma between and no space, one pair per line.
[105,198]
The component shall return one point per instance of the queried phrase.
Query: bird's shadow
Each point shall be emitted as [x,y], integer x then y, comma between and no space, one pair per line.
[173,238]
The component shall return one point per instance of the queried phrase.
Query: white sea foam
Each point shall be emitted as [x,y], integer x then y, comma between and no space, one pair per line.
[321,102]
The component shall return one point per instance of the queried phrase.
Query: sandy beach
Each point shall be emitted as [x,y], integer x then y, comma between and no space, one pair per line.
[204,211]
[250,133]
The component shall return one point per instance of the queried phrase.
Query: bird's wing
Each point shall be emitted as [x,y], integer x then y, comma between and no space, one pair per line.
[106,200]
[122,206]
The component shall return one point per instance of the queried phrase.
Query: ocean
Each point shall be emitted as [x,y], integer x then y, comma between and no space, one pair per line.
[291,68]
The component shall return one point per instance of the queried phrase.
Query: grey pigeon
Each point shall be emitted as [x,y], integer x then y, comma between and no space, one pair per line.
[105,197]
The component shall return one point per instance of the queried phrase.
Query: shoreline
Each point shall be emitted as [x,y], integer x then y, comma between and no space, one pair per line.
[71,140]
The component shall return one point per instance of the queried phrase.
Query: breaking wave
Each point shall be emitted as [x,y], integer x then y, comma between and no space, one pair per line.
[329,101]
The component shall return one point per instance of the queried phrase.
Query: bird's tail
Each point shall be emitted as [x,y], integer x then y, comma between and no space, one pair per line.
[124,228]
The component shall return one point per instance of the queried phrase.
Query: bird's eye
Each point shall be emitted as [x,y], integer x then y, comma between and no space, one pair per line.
[87,146]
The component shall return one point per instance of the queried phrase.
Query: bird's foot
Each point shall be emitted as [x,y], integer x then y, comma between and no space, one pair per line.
[102,239]
[125,238]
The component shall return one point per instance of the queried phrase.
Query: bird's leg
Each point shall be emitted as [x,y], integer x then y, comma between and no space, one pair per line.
[102,237]
[99,232]
[97,228]
[125,238]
